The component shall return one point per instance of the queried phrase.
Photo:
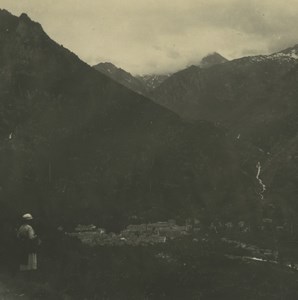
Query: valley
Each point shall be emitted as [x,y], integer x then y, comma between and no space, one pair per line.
[177,185]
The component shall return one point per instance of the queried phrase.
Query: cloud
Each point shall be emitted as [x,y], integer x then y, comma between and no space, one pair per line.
[149,36]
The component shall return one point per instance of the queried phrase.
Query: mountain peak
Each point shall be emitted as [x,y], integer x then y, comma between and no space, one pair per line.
[109,68]
[212,59]
[5,12]
[292,51]
[6,16]
[289,55]
[121,76]
[27,30]
[24,17]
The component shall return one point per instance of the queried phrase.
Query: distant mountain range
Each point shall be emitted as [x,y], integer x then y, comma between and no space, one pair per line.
[255,100]
[226,87]
[77,147]
[141,84]
[144,84]
[152,81]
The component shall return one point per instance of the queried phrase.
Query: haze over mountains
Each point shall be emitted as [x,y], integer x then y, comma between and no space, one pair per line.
[212,60]
[77,146]
[144,84]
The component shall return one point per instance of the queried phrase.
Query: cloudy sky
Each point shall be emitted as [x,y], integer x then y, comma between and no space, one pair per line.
[156,36]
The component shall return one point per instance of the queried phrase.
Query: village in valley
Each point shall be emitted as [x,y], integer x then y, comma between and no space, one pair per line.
[161,232]
[235,235]
[135,234]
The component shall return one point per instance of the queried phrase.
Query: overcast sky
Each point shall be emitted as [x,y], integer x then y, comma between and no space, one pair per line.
[155,36]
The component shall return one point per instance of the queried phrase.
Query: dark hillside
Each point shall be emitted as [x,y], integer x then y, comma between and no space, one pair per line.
[121,76]
[78,147]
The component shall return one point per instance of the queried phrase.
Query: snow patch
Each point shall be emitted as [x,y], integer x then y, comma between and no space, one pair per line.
[291,56]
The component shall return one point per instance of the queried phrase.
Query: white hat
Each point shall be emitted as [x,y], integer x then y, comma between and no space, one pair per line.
[27,217]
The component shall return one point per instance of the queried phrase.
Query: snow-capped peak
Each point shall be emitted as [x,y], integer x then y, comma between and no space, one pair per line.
[288,55]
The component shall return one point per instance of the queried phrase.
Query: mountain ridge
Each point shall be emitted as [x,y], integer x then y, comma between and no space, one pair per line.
[144,84]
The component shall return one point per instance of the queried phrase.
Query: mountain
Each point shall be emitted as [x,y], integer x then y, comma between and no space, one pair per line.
[141,84]
[121,76]
[144,84]
[78,147]
[255,99]
[153,81]
[227,92]
[211,60]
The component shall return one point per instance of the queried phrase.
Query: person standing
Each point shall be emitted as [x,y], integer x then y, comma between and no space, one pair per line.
[28,243]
